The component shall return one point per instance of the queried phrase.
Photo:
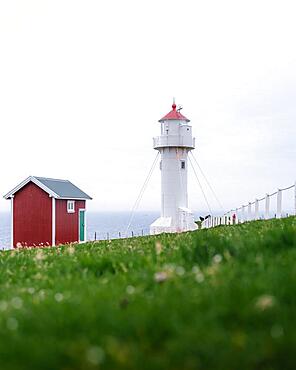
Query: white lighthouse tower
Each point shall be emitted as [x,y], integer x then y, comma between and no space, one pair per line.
[174,145]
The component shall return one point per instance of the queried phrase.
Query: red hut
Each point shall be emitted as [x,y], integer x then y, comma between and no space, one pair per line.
[47,212]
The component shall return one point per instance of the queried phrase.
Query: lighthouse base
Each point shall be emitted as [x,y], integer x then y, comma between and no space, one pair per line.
[185,222]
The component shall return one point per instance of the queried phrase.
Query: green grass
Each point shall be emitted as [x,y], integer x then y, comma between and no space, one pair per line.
[214,299]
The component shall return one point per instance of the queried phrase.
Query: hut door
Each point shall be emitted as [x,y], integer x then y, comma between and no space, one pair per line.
[81,225]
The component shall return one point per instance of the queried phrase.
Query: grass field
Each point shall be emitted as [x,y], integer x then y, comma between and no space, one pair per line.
[214,299]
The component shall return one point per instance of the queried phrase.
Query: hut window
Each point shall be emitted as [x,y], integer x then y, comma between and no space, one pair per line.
[71,206]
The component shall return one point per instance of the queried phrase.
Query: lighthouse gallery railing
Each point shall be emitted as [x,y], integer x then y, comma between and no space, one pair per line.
[173,140]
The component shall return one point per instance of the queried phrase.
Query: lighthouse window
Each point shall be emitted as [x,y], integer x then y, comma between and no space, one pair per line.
[183,165]
[160,165]
[71,206]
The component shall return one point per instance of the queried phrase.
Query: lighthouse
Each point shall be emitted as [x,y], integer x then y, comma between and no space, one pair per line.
[174,144]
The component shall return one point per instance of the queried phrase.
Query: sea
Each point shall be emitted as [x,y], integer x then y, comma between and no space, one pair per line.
[105,225]
[99,225]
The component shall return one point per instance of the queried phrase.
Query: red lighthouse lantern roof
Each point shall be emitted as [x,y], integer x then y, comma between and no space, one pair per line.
[174,114]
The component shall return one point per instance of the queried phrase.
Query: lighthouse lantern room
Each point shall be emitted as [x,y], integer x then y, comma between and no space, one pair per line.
[174,144]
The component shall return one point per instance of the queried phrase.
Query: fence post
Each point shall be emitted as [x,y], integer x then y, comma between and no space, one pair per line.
[256,209]
[243,213]
[267,201]
[279,204]
[249,217]
[236,216]
[295,198]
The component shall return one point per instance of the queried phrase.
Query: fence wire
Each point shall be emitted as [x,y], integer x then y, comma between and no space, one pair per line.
[273,208]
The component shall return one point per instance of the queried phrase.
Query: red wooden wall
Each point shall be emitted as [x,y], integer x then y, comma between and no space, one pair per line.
[67,224]
[31,216]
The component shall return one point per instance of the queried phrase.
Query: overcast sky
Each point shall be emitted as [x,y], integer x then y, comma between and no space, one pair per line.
[83,84]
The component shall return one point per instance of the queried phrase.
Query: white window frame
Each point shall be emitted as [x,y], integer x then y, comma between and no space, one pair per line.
[71,206]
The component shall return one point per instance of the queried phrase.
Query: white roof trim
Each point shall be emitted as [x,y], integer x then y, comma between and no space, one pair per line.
[71,198]
[36,182]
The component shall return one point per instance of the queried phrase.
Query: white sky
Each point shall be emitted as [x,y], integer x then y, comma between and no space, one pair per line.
[83,84]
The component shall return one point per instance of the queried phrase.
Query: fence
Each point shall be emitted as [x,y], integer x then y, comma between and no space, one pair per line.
[253,211]
[109,235]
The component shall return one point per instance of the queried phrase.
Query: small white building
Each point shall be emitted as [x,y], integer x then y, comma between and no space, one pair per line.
[174,144]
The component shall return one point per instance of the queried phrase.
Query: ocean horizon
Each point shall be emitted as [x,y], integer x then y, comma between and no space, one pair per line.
[107,225]
[99,225]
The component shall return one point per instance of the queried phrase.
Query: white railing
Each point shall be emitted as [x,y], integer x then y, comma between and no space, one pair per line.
[252,211]
[173,140]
